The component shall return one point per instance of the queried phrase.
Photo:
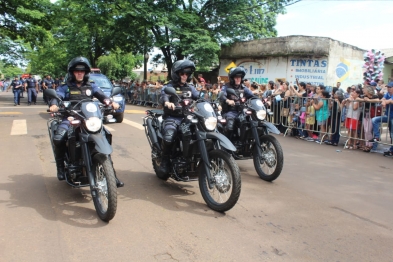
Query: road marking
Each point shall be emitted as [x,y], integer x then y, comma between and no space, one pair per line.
[134,124]
[11,113]
[109,128]
[23,107]
[19,127]
[135,111]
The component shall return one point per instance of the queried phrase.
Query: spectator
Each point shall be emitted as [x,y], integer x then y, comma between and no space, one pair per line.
[254,88]
[387,118]
[215,92]
[269,90]
[351,122]
[310,120]
[321,107]
[262,90]
[336,108]
[247,83]
[369,96]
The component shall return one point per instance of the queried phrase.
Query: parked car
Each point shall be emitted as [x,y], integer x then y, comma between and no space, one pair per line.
[106,86]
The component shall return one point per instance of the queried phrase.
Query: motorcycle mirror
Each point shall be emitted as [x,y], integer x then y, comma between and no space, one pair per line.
[116,90]
[51,93]
[171,91]
[230,91]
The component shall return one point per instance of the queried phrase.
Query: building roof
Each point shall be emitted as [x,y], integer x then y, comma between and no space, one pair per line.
[282,46]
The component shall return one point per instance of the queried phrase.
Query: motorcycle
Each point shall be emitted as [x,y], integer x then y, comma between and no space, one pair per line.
[252,137]
[197,153]
[87,160]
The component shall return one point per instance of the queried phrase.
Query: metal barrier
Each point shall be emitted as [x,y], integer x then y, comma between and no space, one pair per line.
[146,96]
[365,121]
[362,121]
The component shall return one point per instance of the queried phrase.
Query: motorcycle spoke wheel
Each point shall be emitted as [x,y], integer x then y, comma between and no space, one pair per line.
[105,200]
[269,165]
[226,182]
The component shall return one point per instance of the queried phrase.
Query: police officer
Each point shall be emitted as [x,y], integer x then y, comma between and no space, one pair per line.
[181,74]
[32,90]
[77,87]
[48,83]
[236,76]
[17,87]
[23,89]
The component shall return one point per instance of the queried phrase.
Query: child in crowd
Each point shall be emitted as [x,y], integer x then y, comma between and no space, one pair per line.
[310,120]
[351,122]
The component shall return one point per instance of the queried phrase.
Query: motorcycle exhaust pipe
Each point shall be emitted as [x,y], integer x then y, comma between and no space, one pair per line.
[152,134]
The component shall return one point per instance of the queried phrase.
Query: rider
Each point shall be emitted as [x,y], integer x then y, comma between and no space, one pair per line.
[77,87]
[181,74]
[236,76]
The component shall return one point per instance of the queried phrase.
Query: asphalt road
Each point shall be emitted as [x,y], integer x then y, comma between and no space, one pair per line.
[325,206]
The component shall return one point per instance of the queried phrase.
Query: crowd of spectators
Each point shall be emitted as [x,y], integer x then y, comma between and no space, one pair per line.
[314,113]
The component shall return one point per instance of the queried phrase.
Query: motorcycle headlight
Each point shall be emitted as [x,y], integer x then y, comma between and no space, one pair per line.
[261,114]
[211,123]
[118,98]
[93,124]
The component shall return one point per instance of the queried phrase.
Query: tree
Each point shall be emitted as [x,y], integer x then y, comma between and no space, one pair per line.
[118,65]
[10,71]
[26,19]
[196,29]
[92,32]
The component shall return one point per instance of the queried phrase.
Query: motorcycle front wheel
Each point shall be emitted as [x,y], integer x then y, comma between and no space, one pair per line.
[226,181]
[105,202]
[270,164]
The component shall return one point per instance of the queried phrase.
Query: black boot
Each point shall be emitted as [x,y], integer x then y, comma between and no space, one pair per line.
[164,166]
[60,169]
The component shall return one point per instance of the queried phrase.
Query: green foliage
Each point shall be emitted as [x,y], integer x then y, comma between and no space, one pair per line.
[118,65]
[27,19]
[196,29]
[10,71]
[12,52]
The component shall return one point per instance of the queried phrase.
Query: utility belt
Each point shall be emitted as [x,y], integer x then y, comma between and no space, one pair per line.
[30,87]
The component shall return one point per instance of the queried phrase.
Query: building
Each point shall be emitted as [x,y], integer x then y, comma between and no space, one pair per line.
[318,60]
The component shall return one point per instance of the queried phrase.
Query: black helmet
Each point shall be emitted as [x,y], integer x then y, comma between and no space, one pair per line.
[79,63]
[236,71]
[186,66]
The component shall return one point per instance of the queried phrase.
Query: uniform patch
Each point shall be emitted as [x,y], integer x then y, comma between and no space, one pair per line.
[75,92]
[88,92]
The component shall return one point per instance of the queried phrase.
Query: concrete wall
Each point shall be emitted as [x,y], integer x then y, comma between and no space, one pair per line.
[345,64]
[318,60]
[387,72]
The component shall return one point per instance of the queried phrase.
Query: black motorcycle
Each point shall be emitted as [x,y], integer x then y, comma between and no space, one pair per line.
[197,153]
[87,160]
[251,137]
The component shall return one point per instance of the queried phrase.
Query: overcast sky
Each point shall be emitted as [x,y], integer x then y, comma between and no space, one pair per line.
[365,24]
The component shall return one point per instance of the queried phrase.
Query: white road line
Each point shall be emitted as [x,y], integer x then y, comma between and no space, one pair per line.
[134,124]
[109,128]
[19,127]
[23,107]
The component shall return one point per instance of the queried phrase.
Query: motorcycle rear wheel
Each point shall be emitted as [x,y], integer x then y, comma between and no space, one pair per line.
[227,183]
[269,166]
[105,202]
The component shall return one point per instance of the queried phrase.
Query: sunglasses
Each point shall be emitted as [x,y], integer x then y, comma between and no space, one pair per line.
[184,73]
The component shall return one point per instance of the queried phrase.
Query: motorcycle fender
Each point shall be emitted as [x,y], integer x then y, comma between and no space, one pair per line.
[270,127]
[224,141]
[101,143]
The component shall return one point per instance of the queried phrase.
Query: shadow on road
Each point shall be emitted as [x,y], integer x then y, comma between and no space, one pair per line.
[30,191]
[167,194]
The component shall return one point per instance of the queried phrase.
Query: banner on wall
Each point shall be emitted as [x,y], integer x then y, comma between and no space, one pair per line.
[256,71]
[312,71]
